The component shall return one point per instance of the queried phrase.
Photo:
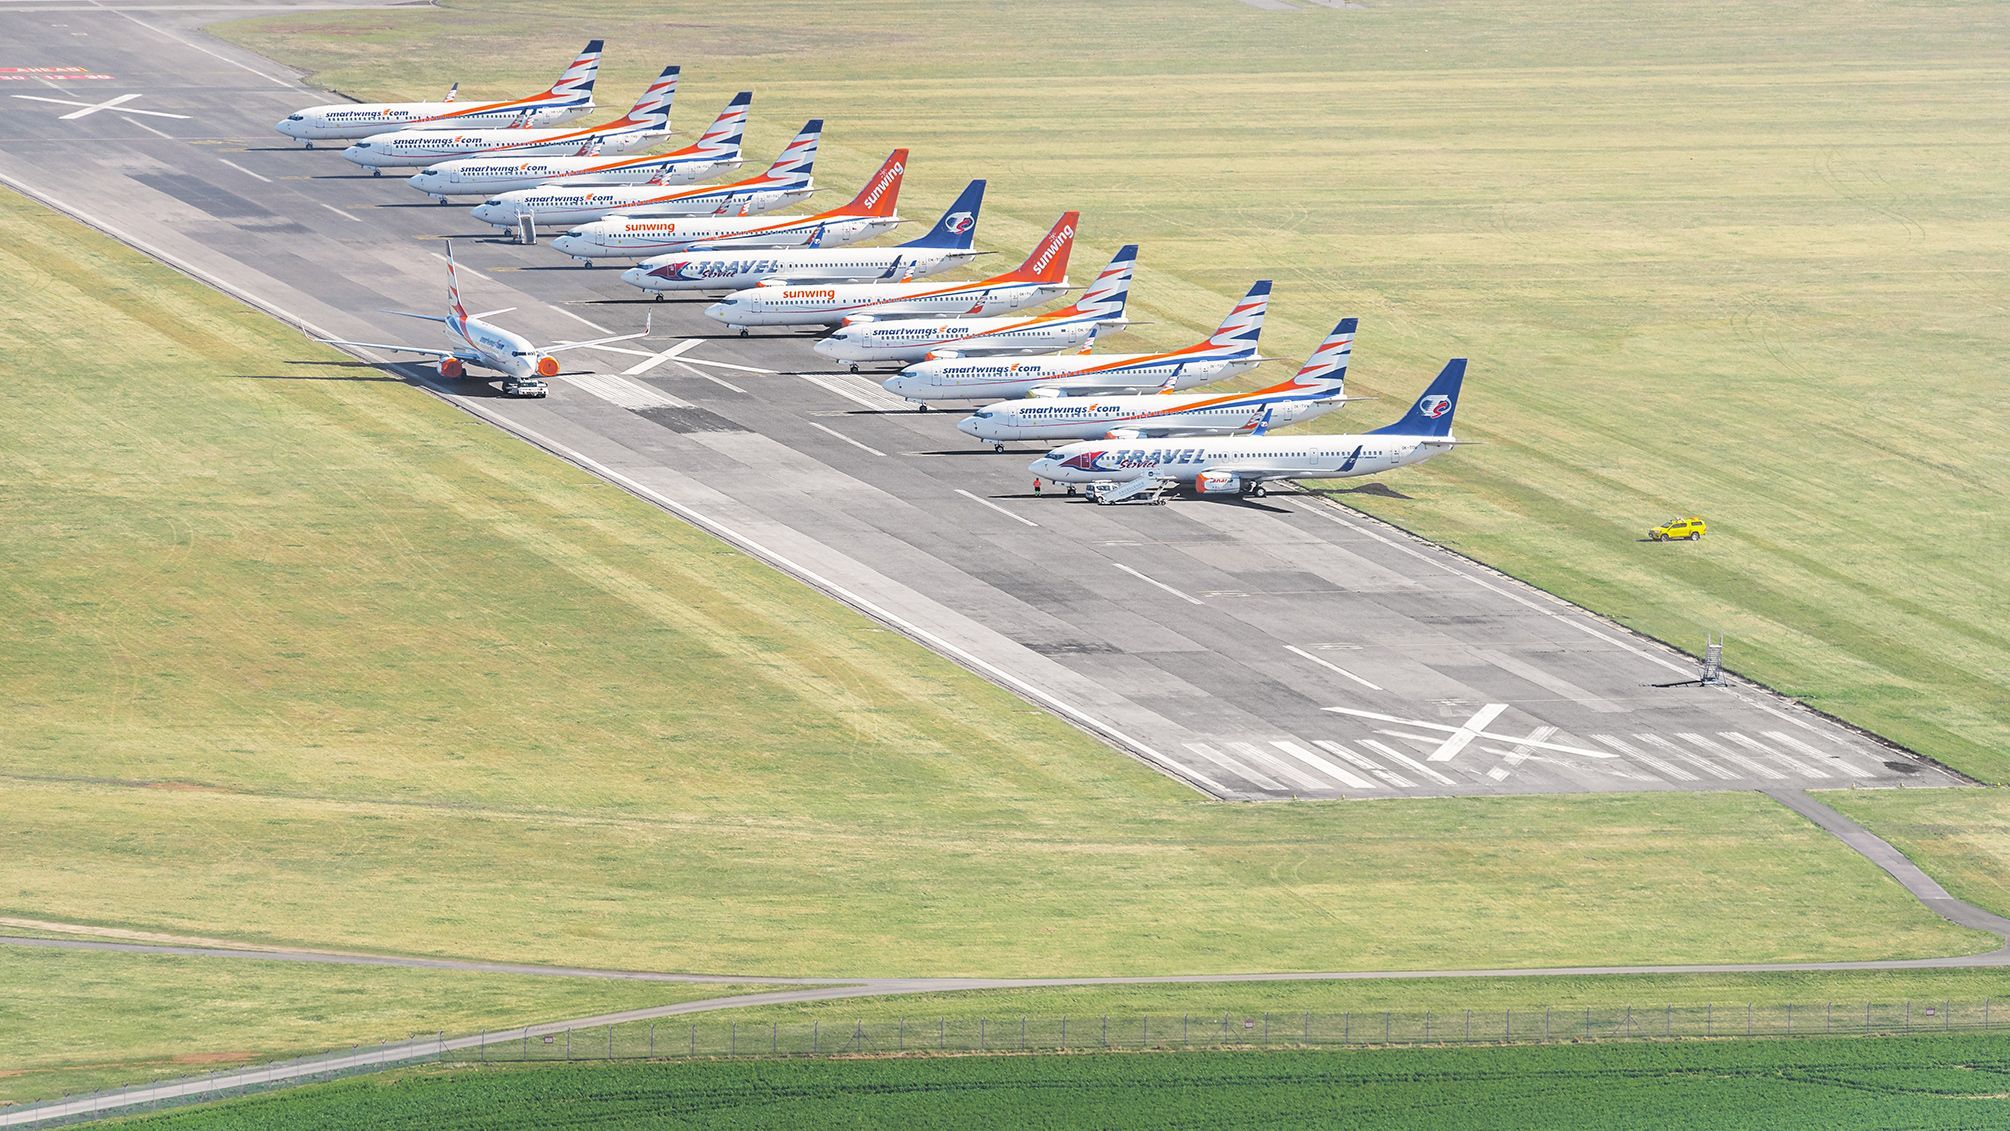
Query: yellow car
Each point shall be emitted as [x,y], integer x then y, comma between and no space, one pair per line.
[1690,528]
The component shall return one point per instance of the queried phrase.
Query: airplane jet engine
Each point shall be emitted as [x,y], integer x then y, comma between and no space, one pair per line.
[1217,483]
[547,366]
[452,369]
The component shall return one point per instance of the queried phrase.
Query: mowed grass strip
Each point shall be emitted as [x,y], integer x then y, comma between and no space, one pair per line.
[1746,263]
[1961,838]
[300,655]
[80,1022]
[1917,1082]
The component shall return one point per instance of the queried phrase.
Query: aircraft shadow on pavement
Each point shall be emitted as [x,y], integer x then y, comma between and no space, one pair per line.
[320,376]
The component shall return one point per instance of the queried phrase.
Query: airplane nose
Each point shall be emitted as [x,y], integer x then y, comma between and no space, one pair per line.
[634,276]
[825,346]
[897,385]
[285,127]
[421,181]
[719,312]
[967,426]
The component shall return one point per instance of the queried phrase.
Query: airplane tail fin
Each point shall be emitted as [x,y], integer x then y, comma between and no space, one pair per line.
[1327,367]
[1049,261]
[578,77]
[653,108]
[798,160]
[453,92]
[722,140]
[454,287]
[880,193]
[1432,414]
[1244,324]
[958,227]
[1111,289]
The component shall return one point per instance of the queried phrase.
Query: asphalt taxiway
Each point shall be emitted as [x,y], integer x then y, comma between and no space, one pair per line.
[1268,649]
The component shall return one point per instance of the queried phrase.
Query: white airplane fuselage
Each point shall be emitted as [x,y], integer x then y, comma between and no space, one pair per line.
[830,304]
[430,147]
[914,339]
[353,120]
[1279,457]
[507,172]
[577,204]
[493,347]
[644,237]
[984,379]
[727,270]
[1094,418]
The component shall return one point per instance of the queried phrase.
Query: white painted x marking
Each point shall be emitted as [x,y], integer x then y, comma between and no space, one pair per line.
[656,359]
[1473,728]
[116,102]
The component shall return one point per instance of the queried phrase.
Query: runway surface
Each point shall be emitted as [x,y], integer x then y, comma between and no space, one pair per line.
[1280,648]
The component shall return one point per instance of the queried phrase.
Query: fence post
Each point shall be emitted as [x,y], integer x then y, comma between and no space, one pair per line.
[1985,1013]
[902,1037]
[526,1042]
[1385,1026]
[1709,1020]
[774,1037]
[1469,1026]
[1022,1032]
[1266,1026]
[733,1039]
[941,1035]
[1790,1019]
[485,1048]
[1545,1024]
[1308,1026]
[652,1040]
[610,1040]
[980,1034]
[568,1044]
[1587,1022]
[1148,1032]
[1184,1037]
[1427,1026]
[1944,1023]
[694,1038]
[1064,1032]
[816,1034]
[1629,1022]
[1908,1015]
[1224,1028]
[1866,1018]
[1510,1024]
[1347,1027]
[1748,1019]
[1828,1017]
[1106,1030]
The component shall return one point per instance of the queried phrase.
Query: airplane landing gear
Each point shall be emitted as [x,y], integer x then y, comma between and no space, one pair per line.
[310,145]
[586,264]
[921,408]
[659,296]
[999,448]
[375,172]
[743,331]
[854,367]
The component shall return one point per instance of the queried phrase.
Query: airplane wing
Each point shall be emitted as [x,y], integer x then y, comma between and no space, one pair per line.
[601,341]
[427,350]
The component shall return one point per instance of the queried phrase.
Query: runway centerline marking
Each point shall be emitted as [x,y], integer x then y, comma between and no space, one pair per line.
[247,172]
[116,103]
[845,438]
[988,503]
[656,359]
[720,381]
[329,207]
[137,124]
[1334,667]
[1191,600]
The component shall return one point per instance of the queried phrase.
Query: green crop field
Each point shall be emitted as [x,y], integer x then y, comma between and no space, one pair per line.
[78,1022]
[1769,1086]
[1746,261]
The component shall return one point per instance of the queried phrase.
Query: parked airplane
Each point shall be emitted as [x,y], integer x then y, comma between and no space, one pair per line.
[716,151]
[487,345]
[1319,387]
[1230,350]
[646,122]
[564,100]
[785,182]
[1099,310]
[1041,277]
[867,214]
[709,268]
[1241,465]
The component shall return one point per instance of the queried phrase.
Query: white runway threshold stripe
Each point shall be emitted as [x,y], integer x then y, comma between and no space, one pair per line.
[1160,584]
[1835,760]
[1331,666]
[1326,765]
[1013,515]
[624,392]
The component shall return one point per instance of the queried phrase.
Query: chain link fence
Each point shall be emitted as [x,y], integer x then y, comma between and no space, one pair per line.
[731,1037]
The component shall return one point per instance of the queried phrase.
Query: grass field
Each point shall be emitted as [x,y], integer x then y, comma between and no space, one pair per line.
[74,1022]
[1962,838]
[1746,261]
[1768,1086]
[274,683]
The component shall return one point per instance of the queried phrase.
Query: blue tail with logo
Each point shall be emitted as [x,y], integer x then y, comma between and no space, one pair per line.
[1432,414]
[957,229]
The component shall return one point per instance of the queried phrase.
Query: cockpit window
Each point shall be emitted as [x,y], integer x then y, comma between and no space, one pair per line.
[362,145]
[983,414]
[1057,454]
[494,202]
[296,117]
[577,233]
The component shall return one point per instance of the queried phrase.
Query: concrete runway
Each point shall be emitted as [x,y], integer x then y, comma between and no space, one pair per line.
[1270,649]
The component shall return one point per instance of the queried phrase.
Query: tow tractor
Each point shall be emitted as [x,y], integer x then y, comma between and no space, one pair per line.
[525,387]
